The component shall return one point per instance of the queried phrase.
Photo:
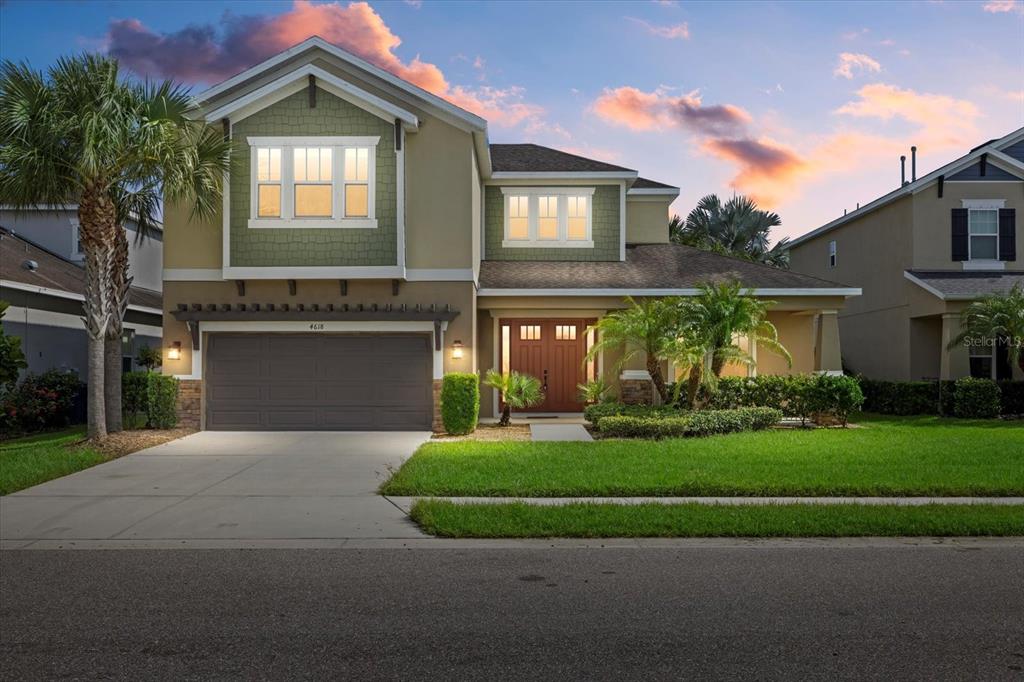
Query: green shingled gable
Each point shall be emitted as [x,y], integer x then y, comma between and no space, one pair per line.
[289,247]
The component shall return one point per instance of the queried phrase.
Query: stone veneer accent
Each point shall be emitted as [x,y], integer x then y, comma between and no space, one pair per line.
[190,403]
[339,247]
[637,391]
[605,224]
[437,424]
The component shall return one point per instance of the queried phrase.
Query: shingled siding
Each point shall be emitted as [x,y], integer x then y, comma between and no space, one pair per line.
[605,231]
[315,247]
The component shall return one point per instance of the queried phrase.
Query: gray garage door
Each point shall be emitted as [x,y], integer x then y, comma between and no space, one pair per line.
[318,382]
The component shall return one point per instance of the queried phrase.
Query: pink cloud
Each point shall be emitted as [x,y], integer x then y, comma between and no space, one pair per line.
[851,61]
[674,32]
[942,121]
[198,53]
[641,110]
[1001,6]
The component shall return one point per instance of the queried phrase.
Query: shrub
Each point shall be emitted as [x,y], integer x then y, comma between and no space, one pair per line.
[594,391]
[1012,395]
[976,398]
[149,357]
[460,402]
[703,423]
[626,426]
[711,422]
[836,396]
[595,413]
[41,401]
[901,398]
[162,394]
[135,399]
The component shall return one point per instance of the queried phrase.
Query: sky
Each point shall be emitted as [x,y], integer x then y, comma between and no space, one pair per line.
[805,106]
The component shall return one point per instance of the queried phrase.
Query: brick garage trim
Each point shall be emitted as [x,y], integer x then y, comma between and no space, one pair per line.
[437,424]
[637,391]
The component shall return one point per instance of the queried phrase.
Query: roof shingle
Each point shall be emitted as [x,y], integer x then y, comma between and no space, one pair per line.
[652,266]
[54,272]
[521,158]
[969,285]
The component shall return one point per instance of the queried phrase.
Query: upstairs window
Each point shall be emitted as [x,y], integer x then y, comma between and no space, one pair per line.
[295,182]
[518,218]
[548,217]
[832,254]
[313,186]
[983,228]
[268,178]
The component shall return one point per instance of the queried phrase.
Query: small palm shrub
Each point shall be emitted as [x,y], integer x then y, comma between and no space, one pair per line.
[460,402]
[518,391]
[594,391]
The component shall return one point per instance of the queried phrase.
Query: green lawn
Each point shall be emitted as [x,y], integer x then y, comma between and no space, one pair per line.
[26,462]
[596,520]
[887,456]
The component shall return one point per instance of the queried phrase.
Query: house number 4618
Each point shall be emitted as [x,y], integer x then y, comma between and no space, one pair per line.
[316,327]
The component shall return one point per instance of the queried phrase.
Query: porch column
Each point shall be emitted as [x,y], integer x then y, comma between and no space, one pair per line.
[828,356]
[956,361]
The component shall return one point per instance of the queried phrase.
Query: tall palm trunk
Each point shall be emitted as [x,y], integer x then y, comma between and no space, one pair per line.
[654,369]
[118,295]
[97,225]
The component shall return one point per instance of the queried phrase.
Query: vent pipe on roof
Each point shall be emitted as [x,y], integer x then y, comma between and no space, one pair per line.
[913,164]
[903,170]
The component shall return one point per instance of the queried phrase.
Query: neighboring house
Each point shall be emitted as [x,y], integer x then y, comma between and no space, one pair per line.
[922,253]
[45,293]
[56,228]
[372,239]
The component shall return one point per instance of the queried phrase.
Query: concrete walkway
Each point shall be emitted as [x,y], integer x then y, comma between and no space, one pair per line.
[222,487]
[559,432]
[405,503]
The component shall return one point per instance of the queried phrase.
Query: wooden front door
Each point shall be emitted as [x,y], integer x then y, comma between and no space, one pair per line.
[553,351]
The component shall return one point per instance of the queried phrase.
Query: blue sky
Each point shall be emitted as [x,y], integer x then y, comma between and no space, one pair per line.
[806,106]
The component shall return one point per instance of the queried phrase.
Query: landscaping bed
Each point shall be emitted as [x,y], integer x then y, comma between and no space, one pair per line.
[490,432]
[25,462]
[887,457]
[590,520]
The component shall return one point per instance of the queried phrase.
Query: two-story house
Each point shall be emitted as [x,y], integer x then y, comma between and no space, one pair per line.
[372,239]
[921,254]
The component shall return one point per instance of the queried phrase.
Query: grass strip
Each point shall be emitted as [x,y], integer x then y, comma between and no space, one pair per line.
[26,462]
[924,456]
[598,520]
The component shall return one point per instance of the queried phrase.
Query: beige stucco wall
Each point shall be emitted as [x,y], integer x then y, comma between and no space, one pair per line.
[439,182]
[191,243]
[932,221]
[646,221]
[872,253]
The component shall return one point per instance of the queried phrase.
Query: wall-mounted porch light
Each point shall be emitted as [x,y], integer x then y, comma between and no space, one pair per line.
[174,352]
[457,350]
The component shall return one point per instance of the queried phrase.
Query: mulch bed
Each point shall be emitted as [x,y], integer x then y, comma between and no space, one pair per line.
[491,432]
[126,442]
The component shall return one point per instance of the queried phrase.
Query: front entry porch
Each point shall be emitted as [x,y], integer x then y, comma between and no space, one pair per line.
[554,351]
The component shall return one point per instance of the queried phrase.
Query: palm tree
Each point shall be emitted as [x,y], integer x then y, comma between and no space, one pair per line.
[82,134]
[649,326]
[721,312]
[517,390]
[736,228]
[999,317]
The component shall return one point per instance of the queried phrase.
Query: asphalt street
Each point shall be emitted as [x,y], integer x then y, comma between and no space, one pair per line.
[765,612]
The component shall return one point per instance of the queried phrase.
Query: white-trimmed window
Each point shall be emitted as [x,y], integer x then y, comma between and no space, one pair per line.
[313,182]
[832,254]
[983,228]
[548,217]
[981,354]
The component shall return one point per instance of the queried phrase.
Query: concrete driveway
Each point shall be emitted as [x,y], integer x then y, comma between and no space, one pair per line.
[221,489]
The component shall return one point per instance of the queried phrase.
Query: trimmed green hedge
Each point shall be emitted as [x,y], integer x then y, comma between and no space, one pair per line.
[595,413]
[702,423]
[798,395]
[148,399]
[976,398]
[460,402]
[904,398]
